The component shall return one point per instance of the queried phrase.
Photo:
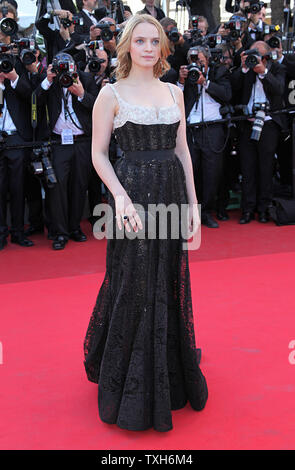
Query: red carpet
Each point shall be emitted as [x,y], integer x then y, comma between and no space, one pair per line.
[244,321]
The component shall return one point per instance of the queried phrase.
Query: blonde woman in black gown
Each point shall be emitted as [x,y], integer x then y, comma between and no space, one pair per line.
[140,343]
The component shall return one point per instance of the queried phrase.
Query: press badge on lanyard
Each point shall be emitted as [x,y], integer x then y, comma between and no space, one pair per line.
[67,137]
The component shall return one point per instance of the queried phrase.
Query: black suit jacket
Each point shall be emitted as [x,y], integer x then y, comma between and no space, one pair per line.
[82,32]
[160,13]
[54,42]
[273,86]
[53,99]
[219,88]
[289,63]
[18,102]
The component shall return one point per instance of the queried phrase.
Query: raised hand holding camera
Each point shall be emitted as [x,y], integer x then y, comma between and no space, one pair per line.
[50,74]
[77,88]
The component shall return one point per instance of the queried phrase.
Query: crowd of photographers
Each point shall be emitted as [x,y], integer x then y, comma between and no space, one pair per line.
[235,81]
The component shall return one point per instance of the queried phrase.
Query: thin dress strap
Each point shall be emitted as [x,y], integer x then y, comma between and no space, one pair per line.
[114,91]
[172,91]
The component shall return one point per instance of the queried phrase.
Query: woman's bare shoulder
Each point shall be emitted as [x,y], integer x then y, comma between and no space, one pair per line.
[106,99]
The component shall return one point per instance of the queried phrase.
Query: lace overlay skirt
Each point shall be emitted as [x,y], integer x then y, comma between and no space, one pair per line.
[140,343]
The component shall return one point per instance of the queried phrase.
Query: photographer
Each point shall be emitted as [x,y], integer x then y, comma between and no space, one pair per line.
[178,46]
[255,13]
[9,12]
[15,130]
[98,66]
[260,82]
[70,97]
[56,40]
[206,89]
[35,73]
[150,9]
[89,19]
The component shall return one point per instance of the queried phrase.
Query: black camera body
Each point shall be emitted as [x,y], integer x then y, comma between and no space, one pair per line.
[212,40]
[234,27]
[94,64]
[7,60]
[41,165]
[254,8]
[216,56]
[66,22]
[106,33]
[274,42]
[65,71]
[27,50]
[8,26]
[195,32]
[173,35]
[252,58]
[194,69]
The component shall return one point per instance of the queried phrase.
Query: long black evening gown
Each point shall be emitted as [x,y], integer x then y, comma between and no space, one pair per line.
[140,342]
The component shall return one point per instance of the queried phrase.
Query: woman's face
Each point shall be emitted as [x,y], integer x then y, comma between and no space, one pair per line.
[145,45]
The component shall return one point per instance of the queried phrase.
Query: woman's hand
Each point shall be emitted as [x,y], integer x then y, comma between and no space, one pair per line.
[194,218]
[124,206]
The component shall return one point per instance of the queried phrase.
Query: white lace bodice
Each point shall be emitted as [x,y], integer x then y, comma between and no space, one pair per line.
[145,114]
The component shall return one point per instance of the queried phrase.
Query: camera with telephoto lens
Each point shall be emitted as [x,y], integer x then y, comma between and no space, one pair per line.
[194,69]
[252,58]
[42,166]
[254,8]
[260,110]
[234,27]
[216,56]
[7,60]
[106,34]
[212,40]
[274,42]
[195,32]
[66,22]
[8,26]
[64,68]
[27,50]
[173,35]
[94,64]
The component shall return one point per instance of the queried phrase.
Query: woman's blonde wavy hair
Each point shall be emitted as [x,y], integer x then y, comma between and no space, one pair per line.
[124,61]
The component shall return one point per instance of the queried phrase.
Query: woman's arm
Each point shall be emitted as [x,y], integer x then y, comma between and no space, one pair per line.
[103,116]
[182,150]
[104,109]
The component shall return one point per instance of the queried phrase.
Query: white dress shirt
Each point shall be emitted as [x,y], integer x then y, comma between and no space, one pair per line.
[91,16]
[208,108]
[64,121]
[257,95]
[6,122]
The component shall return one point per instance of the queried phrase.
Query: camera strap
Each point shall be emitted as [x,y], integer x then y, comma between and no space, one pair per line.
[34,114]
[67,111]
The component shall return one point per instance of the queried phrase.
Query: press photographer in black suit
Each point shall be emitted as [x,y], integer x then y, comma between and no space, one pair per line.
[101,77]
[16,125]
[57,39]
[263,83]
[203,98]
[70,119]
